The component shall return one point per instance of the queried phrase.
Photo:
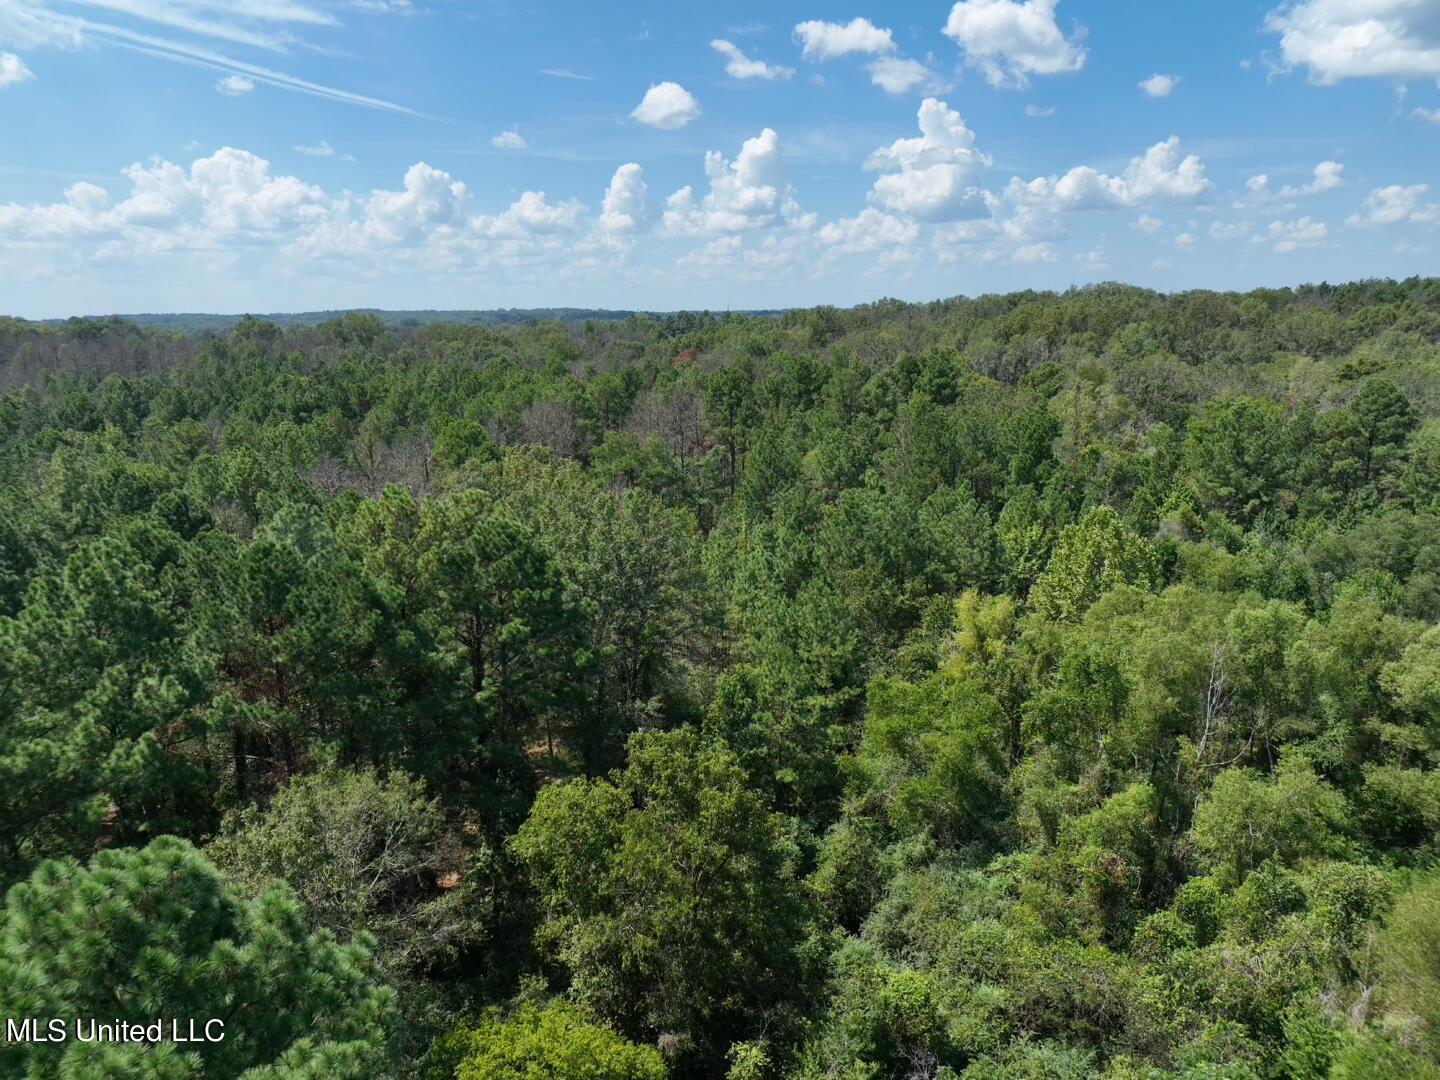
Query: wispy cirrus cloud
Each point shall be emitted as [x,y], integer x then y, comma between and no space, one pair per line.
[263,24]
[268,25]
[385,7]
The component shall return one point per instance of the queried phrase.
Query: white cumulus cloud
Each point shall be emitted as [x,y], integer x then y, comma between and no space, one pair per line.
[530,214]
[751,192]
[323,149]
[235,85]
[508,140]
[869,230]
[430,199]
[626,208]
[1035,253]
[13,70]
[935,170]
[899,75]
[1288,236]
[1396,204]
[231,206]
[667,105]
[1328,177]
[1346,39]
[1000,236]
[821,40]
[1160,86]
[1158,175]
[740,66]
[227,195]
[1011,40]
[943,138]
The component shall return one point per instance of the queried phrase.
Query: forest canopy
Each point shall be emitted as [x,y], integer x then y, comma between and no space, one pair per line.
[1027,686]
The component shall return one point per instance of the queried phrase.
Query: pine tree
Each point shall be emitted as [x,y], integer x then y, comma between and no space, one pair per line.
[98,687]
[157,933]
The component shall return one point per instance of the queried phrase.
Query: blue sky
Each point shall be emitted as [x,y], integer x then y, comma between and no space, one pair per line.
[270,155]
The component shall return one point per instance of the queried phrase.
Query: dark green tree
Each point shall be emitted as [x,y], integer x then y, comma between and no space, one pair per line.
[156,933]
[672,897]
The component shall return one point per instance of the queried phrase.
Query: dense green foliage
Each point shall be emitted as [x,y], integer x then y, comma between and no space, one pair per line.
[152,933]
[1028,686]
[538,1044]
